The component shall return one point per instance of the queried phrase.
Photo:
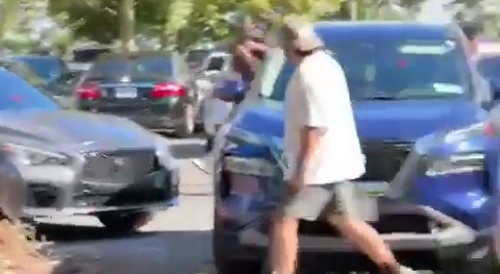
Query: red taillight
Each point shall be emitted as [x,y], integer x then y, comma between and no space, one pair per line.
[489,130]
[163,90]
[89,91]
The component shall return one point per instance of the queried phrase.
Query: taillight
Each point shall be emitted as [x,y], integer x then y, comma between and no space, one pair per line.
[89,91]
[490,130]
[163,90]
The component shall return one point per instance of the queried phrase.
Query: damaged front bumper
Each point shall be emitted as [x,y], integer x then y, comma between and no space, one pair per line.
[67,195]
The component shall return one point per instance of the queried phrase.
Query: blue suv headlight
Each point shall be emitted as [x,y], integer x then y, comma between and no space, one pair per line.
[455,164]
[249,166]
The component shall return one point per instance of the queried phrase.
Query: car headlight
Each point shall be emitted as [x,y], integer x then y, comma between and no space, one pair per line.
[36,157]
[455,164]
[249,166]
[163,151]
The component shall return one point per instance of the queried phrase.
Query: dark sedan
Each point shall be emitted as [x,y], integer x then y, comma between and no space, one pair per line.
[147,87]
[75,163]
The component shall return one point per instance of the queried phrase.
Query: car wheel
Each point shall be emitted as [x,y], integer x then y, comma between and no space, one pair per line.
[124,222]
[487,265]
[187,124]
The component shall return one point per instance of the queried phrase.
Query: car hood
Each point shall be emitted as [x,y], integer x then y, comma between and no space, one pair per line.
[386,120]
[72,130]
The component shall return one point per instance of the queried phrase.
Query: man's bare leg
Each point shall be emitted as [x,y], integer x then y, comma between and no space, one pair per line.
[284,245]
[366,238]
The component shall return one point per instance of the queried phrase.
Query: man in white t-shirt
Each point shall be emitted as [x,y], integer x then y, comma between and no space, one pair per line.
[322,153]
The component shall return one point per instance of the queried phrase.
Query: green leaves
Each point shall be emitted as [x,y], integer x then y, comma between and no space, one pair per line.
[96,20]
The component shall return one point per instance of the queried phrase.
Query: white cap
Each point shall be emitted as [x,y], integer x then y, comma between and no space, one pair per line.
[302,33]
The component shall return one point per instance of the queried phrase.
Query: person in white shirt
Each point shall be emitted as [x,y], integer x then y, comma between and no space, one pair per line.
[322,153]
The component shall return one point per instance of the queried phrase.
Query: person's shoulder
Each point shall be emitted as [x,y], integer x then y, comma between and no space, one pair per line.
[319,62]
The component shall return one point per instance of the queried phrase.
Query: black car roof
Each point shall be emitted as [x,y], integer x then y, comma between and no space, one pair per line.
[384,29]
[130,55]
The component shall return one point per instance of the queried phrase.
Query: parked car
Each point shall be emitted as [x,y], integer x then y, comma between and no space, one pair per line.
[47,67]
[214,70]
[195,57]
[64,163]
[407,80]
[147,87]
[24,71]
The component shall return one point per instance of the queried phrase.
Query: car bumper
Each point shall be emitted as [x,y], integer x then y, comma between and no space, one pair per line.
[47,213]
[66,195]
[155,121]
[419,250]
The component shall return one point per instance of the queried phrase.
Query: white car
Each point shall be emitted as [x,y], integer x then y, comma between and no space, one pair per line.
[216,67]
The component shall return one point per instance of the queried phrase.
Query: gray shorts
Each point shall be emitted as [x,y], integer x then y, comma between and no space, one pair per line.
[318,201]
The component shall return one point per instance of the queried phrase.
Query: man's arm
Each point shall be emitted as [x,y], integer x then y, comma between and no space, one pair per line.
[310,139]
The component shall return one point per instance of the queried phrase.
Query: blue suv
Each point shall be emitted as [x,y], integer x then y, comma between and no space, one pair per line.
[412,88]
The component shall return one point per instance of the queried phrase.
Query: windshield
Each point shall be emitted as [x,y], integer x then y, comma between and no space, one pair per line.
[17,94]
[46,68]
[489,67]
[385,69]
[147,65]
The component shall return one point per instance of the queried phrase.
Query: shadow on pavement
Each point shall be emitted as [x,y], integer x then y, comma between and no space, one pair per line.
[72,233]
[188,150]
[178,252]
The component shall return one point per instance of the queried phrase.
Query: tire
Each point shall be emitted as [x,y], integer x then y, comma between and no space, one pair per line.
[188,122]
[123,222]
[487,265]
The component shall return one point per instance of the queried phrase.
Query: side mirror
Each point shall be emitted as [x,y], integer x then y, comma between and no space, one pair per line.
[230,91]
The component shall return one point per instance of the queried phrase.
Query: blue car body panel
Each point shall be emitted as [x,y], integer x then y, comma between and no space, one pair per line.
[465,196]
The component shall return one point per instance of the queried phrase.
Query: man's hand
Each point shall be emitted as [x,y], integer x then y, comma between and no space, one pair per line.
[295,185]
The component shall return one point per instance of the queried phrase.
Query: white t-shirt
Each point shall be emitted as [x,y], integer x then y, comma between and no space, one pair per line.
[318,96]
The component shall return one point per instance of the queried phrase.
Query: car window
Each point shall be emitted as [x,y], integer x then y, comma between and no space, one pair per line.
[397,68]
[18,94]
[215,63]
[46,68]
[147,65]
[489,67]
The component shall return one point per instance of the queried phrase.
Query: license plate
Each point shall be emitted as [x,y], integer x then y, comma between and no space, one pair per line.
[373,188]
[125,92]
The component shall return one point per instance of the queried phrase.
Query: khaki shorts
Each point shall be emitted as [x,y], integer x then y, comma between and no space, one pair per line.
[315,202]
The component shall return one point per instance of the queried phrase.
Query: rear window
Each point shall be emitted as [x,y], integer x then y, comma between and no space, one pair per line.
[140,66]
[489,67]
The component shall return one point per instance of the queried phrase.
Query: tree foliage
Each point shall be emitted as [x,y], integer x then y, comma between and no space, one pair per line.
[187,22]
[96,20]
[8,12]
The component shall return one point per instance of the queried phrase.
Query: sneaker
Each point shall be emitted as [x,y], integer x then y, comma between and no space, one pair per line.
[406,270]
[401,269]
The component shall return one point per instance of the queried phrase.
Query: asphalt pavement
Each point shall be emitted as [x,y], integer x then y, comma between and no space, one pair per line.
[176,241]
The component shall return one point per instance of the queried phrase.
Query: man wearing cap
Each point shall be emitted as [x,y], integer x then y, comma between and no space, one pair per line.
[322,153]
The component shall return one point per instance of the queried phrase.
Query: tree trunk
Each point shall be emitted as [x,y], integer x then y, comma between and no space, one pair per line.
[8,12]
[127,25]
